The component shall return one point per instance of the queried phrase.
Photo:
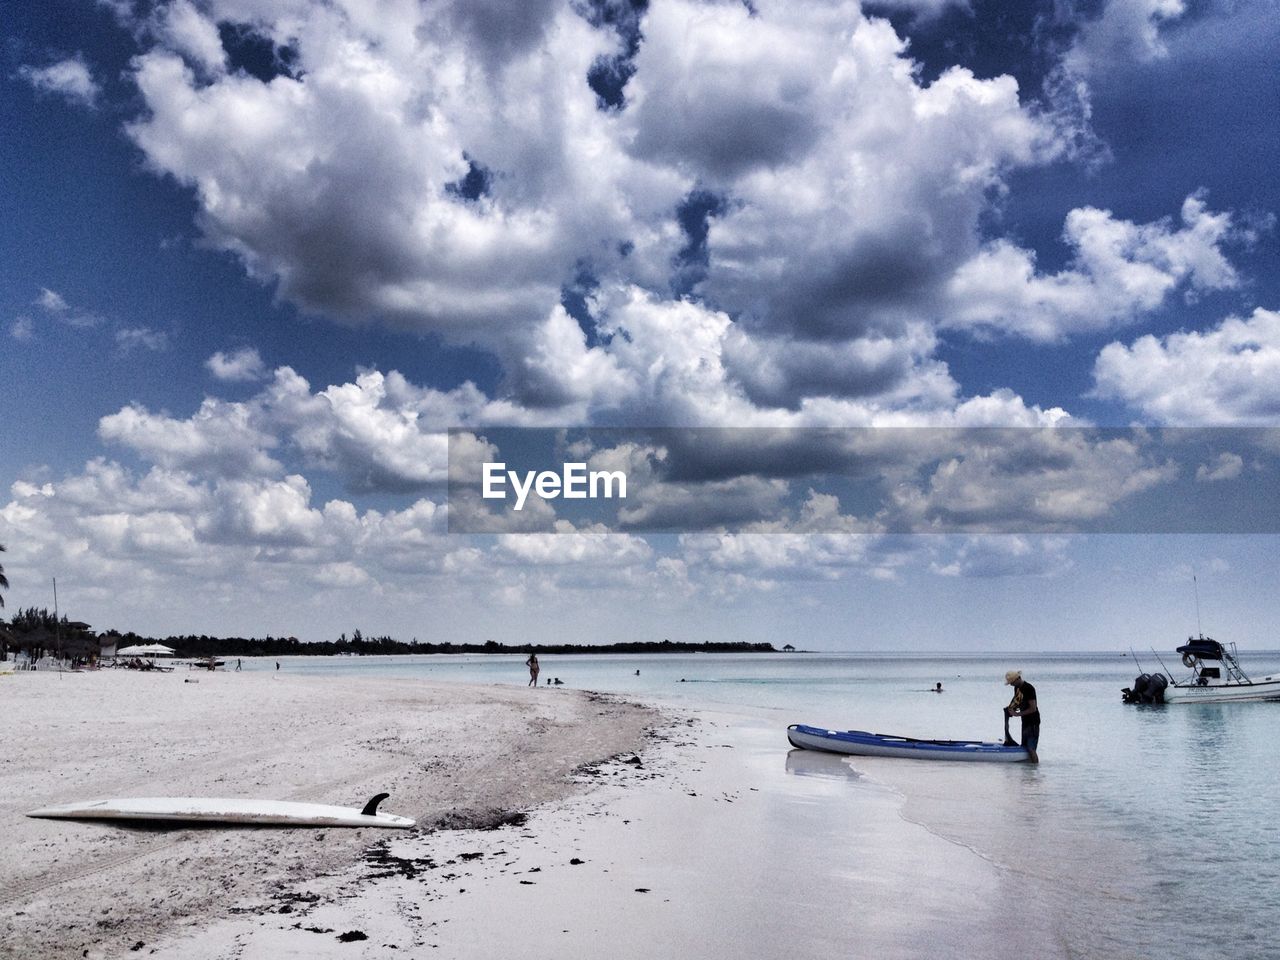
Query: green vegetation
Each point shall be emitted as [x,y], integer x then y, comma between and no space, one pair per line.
[360,645]
[39,632]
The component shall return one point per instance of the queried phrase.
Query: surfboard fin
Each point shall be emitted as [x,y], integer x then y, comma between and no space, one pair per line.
[371,808]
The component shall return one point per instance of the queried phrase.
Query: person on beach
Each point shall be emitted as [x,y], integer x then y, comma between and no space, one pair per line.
[532,664]
[237,665]
[1023,705]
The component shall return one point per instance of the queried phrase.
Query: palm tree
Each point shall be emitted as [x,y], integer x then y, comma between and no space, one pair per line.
[4,631]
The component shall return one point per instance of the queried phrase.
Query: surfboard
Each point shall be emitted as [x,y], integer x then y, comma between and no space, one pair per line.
[282,813]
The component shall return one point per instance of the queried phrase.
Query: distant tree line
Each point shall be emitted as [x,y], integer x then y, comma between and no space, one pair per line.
[39,632]
[359,645]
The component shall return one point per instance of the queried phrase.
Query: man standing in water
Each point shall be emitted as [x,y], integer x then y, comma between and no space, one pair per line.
[1023,705]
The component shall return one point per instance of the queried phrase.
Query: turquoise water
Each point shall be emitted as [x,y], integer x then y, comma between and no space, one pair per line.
[1145,831]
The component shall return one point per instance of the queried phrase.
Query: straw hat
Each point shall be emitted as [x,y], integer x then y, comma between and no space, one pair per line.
[1013,676]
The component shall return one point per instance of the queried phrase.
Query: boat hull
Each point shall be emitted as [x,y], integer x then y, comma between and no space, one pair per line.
[1222,692]
[859,743]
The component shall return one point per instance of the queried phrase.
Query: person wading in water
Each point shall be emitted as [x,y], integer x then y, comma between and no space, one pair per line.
[1023,705]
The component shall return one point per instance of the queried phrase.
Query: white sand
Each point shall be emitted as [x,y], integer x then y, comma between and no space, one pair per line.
[450,755]
[722,844]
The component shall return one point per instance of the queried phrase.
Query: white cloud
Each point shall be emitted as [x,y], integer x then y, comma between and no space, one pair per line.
[682,363]
[151,541]
[714,503]
[730,563]
[783,371]
[183,28]
[1120,270]
[266,512]
[55,305]
[131,338]
[1005,556]
[240,366]
[52,301]
[587,549]
[1227,466]
[1028,480]
[170,547]
[220,439]
[1229,374]
[69,78]
[848,192]
[379,432]
[851,190]
[279,186]
[1127,31]
[921,8]
[844,199]
[106,487]
[22,329]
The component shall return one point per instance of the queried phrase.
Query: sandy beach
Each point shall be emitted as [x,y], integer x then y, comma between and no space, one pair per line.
[720,844]
[452,756]
[552,823]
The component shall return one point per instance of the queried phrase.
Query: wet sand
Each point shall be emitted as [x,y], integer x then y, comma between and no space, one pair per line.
[452,756]
[720,844]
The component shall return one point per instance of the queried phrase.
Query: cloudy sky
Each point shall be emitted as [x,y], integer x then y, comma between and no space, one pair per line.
[257,257]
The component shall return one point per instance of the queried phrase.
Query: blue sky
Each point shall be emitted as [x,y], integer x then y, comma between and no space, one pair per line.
[257,257]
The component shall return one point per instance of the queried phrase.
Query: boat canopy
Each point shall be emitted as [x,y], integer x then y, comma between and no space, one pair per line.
[1202,647]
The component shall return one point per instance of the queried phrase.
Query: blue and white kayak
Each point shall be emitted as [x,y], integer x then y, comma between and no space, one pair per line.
[859,743]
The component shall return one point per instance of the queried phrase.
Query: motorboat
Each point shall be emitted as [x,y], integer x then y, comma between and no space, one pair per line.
[1216,677]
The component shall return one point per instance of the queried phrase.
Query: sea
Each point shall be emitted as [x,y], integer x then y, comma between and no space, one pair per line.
[1145,831]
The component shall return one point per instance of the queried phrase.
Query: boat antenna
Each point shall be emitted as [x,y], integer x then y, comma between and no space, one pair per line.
[1195,584]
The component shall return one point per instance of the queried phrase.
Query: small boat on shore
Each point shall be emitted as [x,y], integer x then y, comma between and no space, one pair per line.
[859,743]
[1216,677]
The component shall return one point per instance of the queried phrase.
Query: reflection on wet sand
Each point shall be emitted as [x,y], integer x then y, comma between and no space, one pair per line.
[814,763]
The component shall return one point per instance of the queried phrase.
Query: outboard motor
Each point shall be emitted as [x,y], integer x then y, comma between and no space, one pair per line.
[1147,688]
[1135,693]
[1156,687]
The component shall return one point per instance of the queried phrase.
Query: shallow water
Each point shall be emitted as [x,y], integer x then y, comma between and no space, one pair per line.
[1144,831]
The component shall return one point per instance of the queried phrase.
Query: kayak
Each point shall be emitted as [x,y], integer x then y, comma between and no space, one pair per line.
[859,743]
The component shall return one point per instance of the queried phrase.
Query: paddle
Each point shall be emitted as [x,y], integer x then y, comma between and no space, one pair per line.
[1008,740]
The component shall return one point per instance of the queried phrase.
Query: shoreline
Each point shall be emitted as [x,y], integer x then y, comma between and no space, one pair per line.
[453,756]
[718,818]
[720,844]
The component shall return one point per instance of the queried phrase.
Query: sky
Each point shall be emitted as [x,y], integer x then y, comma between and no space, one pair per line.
[259,257]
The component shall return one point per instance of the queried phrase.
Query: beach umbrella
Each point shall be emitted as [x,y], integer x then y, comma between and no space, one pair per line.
[146,650]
